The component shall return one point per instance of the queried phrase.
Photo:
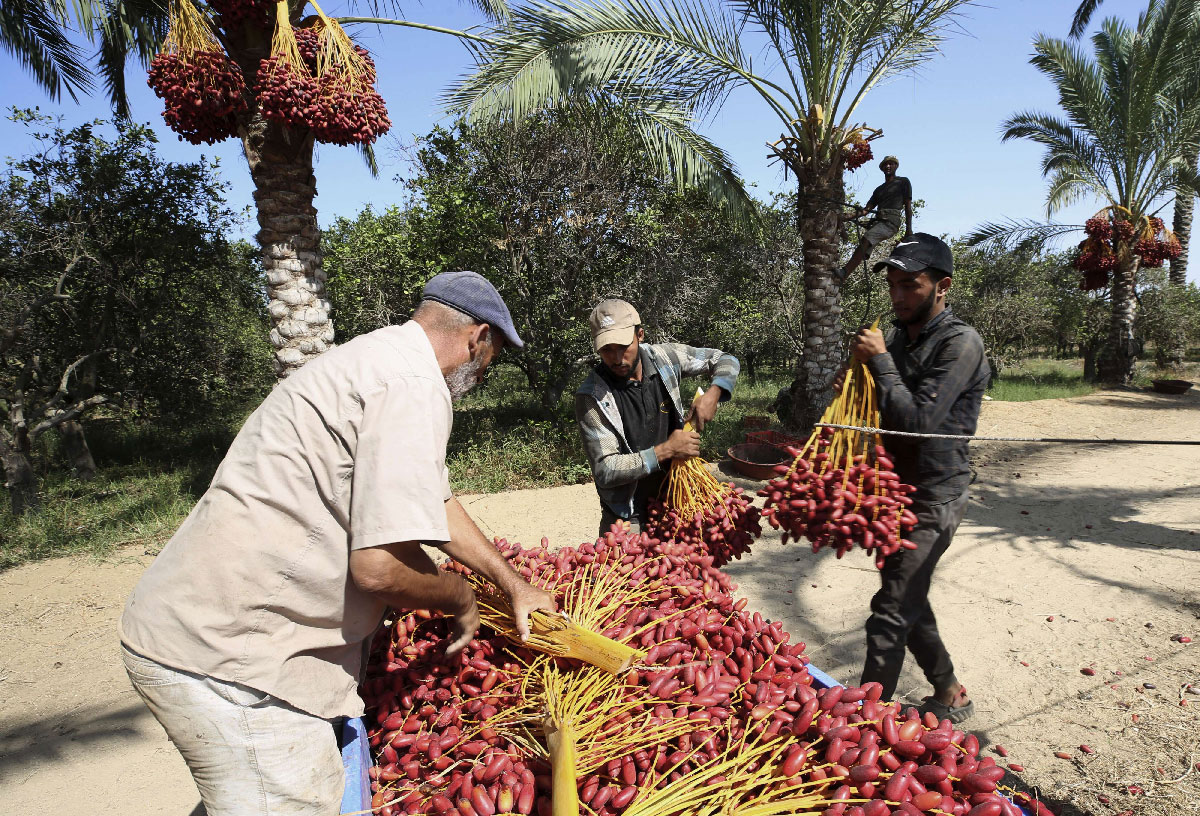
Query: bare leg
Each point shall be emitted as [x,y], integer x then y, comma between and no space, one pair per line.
[860,254]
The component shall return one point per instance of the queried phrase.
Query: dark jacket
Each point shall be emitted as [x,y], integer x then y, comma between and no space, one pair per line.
[933,384]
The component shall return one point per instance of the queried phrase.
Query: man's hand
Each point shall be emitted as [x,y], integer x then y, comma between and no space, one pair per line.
[839,379]
[525,598]
[680,444]
[470,547]
[704,408]
[466,624]
[908,234]
[867,343]
[403,576]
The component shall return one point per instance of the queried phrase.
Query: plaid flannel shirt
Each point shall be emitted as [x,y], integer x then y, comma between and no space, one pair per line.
[616,467]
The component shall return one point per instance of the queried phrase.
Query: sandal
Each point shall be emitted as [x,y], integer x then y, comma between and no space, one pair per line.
[954,714]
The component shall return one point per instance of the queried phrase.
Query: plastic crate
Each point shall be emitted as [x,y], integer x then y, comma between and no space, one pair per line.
[777,438]
[756,422]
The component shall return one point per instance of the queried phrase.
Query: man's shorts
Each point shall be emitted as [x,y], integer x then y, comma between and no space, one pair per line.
[878,232]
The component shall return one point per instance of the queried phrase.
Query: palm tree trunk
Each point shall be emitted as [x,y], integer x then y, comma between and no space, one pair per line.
[821,328]
[281,164]
[1181,225]
[1116,360]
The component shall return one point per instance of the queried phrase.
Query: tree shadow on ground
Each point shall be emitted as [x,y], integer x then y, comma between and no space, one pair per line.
[49,738]
[1147,399]
[58,737]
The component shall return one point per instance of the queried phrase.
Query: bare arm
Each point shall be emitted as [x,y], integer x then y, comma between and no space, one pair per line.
[403,576]
[908,213]
[470,547]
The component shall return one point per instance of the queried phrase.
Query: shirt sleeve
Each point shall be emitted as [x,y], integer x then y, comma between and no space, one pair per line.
[720,367]
[907,191]
[400,482]
[924,409]
[610,467]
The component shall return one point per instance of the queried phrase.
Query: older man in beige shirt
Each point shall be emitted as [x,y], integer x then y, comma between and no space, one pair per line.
[247,634]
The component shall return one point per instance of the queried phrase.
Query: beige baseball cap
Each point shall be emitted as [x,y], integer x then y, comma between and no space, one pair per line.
[613,321]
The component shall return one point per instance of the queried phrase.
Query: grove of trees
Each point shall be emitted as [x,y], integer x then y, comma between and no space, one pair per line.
[574,173]
[119,291]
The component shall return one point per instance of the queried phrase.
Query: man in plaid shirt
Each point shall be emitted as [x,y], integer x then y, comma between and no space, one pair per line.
[630,412]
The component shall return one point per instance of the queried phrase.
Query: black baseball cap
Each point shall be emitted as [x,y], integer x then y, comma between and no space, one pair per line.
[918,252]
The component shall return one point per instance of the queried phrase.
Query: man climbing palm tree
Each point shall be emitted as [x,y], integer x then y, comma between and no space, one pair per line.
[894,195]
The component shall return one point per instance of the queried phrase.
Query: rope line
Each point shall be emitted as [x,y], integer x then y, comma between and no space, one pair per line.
[1064,440]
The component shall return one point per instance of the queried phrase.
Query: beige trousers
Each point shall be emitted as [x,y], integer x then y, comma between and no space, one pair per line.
[249,753]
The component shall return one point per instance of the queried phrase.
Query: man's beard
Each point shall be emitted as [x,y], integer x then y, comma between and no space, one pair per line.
[462,379]
[921,314]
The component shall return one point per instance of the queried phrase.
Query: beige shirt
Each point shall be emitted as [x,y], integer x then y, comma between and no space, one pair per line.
[254,587]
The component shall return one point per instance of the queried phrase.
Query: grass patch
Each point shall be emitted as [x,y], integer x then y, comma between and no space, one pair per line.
[1039,379]
[123,505]
[149,478]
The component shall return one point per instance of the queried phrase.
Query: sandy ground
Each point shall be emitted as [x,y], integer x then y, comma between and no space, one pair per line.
[1070,557]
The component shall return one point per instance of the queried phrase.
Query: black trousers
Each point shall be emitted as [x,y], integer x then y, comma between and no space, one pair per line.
[608,518]
[901,616]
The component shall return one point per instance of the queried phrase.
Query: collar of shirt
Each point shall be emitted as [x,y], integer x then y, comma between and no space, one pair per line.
[411,337]
[926,330]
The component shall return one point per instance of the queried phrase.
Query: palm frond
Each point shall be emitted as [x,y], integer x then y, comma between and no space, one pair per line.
[683,53]
[692,160]
[1083,16]
[1013,232]
[495,9]
[368,156]
[35,37]
[837,52]
[1069,185]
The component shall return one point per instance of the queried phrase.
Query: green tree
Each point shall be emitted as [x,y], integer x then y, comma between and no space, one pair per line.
[560,211]
[373,281]
[117,289]
[1021,300]
[237,37]
[1124,140]
[1169,318]
[548,210]
[673,62]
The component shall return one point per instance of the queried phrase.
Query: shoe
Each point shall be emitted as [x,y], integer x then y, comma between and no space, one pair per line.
[954,714]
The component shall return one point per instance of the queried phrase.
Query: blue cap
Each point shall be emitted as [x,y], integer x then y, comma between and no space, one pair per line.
[473,295]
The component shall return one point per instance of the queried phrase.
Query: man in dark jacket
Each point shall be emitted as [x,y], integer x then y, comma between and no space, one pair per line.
[930,374]
[630,411]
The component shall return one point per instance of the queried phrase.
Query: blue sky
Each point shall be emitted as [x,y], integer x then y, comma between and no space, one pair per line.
[943,123]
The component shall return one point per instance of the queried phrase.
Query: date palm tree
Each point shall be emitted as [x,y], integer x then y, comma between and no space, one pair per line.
[280,158]
[673,62]
[1185,200]
[1123,139]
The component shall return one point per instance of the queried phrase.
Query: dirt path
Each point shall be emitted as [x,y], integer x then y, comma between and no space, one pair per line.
[1069,558]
